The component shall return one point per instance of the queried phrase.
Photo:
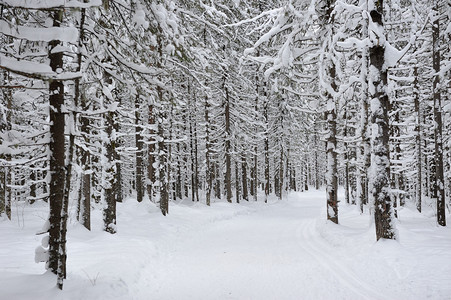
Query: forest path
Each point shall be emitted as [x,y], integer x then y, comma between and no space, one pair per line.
[272,253]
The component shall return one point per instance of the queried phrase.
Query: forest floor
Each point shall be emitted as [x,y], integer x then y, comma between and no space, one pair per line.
[279,250]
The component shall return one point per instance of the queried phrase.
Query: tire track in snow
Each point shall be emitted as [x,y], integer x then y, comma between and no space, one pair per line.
[308,240]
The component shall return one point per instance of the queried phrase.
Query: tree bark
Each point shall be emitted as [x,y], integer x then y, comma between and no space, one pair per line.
[162,167]
[151,154]
[438,124]
[380,159]
[208,171]
[57,238]
[109,211]
[139,153]
[418,146]
[228,147]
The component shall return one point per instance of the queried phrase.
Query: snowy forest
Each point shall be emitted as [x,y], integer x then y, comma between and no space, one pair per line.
[188,104]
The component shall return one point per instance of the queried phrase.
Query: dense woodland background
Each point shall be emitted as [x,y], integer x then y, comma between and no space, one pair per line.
[164,100]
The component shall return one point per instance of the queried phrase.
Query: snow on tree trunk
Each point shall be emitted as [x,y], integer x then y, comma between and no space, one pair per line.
[438,124]
[162,168]
[151,153]
[208,171]
[109,211]
[418,146]
[328,82]
[228,147]
[244,176]
[139,152]
[5,171]
[58,209]
[380,193]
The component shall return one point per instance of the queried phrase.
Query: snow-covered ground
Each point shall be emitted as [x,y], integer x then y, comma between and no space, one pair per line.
[280,250]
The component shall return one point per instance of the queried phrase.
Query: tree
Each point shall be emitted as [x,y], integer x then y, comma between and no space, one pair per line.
[380,180]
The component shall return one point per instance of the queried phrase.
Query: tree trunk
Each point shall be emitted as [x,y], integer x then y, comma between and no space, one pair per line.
[315,141]
[162,166]
[364,155]
[244,176]
[228,148]
[139,153]
[438,124]
[84,213]
[5,172]
[151,154]
[57,238]
[419,154]
[109,211]
[331,119]
[208,171]
[380,159]
[266,153]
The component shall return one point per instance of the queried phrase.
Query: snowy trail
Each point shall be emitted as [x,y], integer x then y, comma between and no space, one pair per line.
[312,243]
[271,254]
[283,250]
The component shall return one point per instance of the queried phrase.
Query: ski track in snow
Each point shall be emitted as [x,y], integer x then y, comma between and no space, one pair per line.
[312,243]
[283,250]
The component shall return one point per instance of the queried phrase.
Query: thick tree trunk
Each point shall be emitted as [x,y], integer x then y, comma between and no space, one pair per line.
[331,119]
[380,159]
[57,238]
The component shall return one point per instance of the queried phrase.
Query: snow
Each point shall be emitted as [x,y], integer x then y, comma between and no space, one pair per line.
[65,34]
[42,4]
[34,69]
[280,250]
